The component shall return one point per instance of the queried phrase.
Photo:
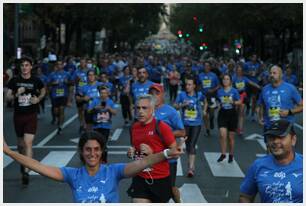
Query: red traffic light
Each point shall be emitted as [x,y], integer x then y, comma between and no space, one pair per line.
[195,18]
[179,32]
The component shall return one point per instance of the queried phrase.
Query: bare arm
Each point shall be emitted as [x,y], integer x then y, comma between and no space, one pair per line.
[244,198]
[9,95]
[133,168]
[48,171]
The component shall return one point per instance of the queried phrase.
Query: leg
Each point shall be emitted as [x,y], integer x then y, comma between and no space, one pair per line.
[28,151]
[141,200]
[241,119]
[231,142]
[223,143]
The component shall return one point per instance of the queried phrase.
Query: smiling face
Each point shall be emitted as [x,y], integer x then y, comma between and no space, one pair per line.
[281,147]
[92,153]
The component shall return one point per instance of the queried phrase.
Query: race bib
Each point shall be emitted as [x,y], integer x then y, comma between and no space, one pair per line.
[103,117]
[274,113]
[59,92]
[226,99]
[206,83]
[81,83]
[191,114]
[24,100]
[240,85]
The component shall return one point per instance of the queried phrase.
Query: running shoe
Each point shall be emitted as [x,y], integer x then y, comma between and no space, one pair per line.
[59,131]
[190,173]
[230,158]
[221,158]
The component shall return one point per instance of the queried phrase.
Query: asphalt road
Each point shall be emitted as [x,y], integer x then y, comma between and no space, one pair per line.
[213,182]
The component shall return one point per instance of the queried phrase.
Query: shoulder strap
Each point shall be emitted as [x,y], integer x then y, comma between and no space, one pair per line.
[157,130]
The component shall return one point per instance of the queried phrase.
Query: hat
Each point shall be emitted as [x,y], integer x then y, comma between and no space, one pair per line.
[158,87]
[279,128]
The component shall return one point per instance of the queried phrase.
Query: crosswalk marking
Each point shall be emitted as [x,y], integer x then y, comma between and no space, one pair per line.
[191,193]
[6,160]
[260,155]
[179,171]
[116,134]
[222,169]
[56,159]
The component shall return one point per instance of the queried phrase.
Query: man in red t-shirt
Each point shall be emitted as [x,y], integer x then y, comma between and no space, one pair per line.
[152,184]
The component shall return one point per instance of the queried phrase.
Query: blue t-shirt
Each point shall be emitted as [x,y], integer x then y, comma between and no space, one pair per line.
[139,89]
[275,183]
[109,85]
[92,92]
[292,79]
[285,96]
[252,69]
[240,83]
[61,89]
[44,79]
[170,116]
[225,97]
[208,81]
[80,78]
[102,118]
[192,114]
[101,188]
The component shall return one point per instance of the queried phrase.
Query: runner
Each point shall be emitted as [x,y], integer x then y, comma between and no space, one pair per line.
[27,91]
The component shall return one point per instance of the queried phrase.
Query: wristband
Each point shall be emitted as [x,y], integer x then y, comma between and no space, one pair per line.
[166,154]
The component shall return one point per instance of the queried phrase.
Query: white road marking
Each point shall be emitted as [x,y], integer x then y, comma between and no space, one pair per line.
[6,160]
[75,140]
[56,159]
[259,138]
[260,155]
[222,169]
[116,134]
[50,136]
[179,171]
[191,193]
[298,126]
[117,152]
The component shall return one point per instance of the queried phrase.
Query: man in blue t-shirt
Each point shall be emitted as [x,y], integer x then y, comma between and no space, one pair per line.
[141,87]
[278,100]
[277,177]
[169,115]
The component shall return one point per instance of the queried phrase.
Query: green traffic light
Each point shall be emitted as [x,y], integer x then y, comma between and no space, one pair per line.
[187,35]
[180,35]
[201,47]
[201,29]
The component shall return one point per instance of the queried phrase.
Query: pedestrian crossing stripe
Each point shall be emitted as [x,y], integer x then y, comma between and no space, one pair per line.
[57,159]
[6,160]
[222,169]
[191,193]
[179,171]
[116,134]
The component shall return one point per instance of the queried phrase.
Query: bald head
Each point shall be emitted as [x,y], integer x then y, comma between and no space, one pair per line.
[276,75]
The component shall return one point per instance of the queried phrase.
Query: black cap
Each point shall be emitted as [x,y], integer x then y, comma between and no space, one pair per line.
[279,128]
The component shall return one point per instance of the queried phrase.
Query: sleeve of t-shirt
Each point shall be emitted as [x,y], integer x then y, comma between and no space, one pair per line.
[248,185]
[167,133]
[119,170]
[68,174]
[111,104]
[295,94]
[11,84]
[176,121]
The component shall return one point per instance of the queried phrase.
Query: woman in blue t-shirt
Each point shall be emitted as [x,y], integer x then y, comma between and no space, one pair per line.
[229,98]
[190,101]
[95,181]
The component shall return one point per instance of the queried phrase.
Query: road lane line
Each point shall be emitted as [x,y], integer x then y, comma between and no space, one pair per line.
[191,193]
[6,160]
[50,136]
[179,171]
[298,126]
[116,134]
[222,169]
[56,159]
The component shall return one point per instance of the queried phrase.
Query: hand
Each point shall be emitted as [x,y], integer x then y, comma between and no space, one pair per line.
[34,100]
[131,152]
[261,121]
[145,149]
[86,98]
[180,143]
[20,90]
[6,149]
[284,113]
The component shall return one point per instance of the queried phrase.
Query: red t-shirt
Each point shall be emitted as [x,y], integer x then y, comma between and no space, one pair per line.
[146,134]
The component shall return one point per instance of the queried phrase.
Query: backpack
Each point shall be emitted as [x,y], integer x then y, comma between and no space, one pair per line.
[157,131]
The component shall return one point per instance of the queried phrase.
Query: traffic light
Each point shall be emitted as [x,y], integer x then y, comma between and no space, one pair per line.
[201,28]
[187,35]
[201,48]
[204,45]
[180,33]
[195,18]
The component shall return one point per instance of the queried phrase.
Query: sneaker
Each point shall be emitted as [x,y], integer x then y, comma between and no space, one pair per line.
[221,158]
[208,132]
[25,178]
[190,173]
[230,158]
[59,130]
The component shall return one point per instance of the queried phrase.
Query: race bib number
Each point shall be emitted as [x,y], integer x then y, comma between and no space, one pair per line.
[240,85]
[24,100]
[103,117]
[59,92]
[274,113]
[191,114]
[206,83]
